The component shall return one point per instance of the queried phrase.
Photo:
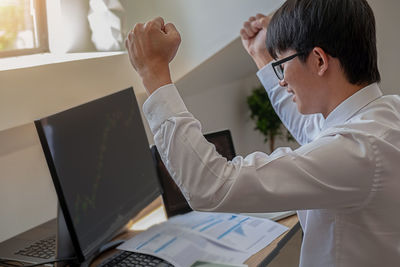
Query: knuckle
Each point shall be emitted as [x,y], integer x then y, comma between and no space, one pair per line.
[254,23]
[137,27]
[264,21]
[149,24]
[160,19]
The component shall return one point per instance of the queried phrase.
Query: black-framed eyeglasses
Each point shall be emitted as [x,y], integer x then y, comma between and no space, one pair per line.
[278,67]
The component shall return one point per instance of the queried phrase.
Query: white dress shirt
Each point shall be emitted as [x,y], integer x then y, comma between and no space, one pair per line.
[344,179]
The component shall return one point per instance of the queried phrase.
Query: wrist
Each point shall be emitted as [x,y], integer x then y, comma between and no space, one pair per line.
[262,59]
[154,78]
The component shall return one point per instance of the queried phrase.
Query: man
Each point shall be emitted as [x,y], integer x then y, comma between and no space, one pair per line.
[344,179]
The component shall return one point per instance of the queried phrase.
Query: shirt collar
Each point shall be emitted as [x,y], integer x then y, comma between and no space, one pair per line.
[352,105]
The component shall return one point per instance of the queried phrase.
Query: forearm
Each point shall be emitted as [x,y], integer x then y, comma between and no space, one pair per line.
[261,60]
[304,128]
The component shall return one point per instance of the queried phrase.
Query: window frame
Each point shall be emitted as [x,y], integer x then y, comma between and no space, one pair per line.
[42,34]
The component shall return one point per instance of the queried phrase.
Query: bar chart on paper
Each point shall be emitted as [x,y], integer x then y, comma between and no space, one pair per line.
[243,233]
[220,237]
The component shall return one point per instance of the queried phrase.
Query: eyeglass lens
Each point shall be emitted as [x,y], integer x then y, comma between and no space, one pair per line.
[279,71]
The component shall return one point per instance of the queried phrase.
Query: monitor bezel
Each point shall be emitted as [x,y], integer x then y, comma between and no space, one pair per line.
[81,255]
[59,191]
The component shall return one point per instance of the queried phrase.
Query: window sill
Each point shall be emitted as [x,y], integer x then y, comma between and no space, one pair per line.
[20,62]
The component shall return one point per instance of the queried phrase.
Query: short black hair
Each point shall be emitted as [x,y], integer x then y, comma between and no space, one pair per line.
[345,29]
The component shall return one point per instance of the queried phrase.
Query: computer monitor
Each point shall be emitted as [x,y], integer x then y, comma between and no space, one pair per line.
[99,159]
[174,201]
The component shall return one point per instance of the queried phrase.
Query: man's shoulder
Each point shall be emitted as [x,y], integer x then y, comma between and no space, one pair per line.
[379,116]
[375,123]
[390,101]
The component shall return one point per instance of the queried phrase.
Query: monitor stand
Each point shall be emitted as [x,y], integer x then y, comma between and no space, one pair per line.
[64,247]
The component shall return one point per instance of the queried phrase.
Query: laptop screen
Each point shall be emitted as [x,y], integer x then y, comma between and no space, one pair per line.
[174,201]
[99,159]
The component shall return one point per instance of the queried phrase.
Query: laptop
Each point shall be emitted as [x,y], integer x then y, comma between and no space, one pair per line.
[33,246]
[174,201]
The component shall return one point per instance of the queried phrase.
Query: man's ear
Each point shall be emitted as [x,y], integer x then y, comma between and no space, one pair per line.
[320,60]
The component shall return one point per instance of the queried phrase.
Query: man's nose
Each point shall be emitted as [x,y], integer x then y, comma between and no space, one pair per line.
[283,83]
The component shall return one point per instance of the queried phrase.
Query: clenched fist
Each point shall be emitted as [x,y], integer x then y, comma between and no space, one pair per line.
[254,34]
[151,48]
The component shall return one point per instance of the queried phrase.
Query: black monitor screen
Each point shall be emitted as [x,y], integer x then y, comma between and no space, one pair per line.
[101,165]
[174,201]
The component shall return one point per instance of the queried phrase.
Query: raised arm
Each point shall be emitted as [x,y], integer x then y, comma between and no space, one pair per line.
[304,128]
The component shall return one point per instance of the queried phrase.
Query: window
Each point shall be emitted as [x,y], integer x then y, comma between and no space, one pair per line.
[23,27]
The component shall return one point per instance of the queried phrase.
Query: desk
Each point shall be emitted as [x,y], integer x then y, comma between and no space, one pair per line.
[261,258]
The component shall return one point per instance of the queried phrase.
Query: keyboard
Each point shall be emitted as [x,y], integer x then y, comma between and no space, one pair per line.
[43,249]
[129,259]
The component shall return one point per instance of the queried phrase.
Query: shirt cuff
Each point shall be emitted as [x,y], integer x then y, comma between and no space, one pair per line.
[267,77]
[161,105]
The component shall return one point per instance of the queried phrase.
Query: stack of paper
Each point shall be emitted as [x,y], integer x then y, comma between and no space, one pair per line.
[219,237]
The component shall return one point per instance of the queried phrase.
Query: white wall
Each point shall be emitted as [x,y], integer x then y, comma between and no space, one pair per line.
[388,39]
[30,93]
[27,195]
[206,26]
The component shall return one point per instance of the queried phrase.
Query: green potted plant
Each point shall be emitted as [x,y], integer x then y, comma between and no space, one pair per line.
[267,121]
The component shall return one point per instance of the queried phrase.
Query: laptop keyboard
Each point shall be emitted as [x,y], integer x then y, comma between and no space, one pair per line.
[44,249]
[128,259]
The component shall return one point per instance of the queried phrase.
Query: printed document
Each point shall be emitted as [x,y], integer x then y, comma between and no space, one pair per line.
[243,233]
[207,236]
